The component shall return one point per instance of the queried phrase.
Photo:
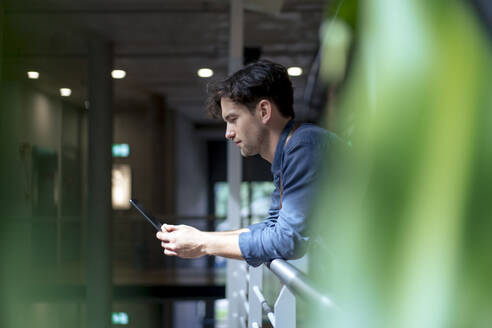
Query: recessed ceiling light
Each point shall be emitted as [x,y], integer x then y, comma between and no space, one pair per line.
[118,74]
[294,71]
[65,92]
[205,72]
[33,75]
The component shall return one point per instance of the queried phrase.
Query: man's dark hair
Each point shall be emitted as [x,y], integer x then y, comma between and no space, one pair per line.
[259,80]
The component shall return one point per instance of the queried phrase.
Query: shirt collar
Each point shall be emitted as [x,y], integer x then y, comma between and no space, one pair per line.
[277,160]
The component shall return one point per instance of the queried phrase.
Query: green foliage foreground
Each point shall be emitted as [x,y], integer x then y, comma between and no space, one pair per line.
[405,223]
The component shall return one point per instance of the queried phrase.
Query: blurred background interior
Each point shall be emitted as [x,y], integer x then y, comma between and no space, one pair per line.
[166,152]
[147,64]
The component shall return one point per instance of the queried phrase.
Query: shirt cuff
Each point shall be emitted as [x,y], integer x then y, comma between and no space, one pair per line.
[246,248]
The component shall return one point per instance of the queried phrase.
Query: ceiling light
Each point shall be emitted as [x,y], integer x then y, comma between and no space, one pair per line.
[65,92]
[33,75]
[205,72]
[118,74]
[294,71]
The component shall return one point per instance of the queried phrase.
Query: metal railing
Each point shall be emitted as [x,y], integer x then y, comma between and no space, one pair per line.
[248,304]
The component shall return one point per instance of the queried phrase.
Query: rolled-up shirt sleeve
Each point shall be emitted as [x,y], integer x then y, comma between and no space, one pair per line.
[283,235]
[271,220]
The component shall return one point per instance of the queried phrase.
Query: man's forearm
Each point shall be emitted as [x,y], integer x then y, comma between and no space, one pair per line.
[224,243]
[229,233]
[188,242]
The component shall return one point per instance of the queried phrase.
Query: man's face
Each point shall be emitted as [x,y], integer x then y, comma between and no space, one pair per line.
[244,128]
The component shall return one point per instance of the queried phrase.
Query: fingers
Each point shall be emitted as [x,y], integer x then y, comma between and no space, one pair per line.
[168,241]
[165,237]
[170,253]
[168,227]
[169,247]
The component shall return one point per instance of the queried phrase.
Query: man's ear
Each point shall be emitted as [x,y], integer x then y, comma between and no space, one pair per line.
[264,110]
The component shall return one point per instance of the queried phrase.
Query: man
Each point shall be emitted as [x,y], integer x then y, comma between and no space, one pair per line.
[257,105]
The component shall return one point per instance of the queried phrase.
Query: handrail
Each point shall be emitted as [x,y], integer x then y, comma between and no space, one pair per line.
[298,283]
[248,303]
[264,304]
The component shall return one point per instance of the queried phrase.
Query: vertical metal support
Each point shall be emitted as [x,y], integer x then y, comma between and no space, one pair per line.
[99,273]
[162,135]
[242,287]
[154,122]
[255,306]
[236,36]
[235,276]
[285,309]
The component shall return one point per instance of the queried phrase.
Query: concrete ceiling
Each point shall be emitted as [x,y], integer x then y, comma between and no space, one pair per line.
[159,43]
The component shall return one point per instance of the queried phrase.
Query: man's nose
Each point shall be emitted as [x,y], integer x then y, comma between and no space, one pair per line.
[229,134]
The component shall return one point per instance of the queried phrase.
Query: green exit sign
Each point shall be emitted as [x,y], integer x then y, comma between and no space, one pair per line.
[119,318]
[121,150]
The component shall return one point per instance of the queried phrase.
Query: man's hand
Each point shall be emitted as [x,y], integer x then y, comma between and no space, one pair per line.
[182,240]
[188,242]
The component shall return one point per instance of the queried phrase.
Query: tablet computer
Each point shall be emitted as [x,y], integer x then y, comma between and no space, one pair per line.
[157,225]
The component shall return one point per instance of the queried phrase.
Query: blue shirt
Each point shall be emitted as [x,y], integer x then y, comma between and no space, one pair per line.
[295,166]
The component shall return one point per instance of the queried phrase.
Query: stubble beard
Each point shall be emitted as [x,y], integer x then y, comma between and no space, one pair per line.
[256,146]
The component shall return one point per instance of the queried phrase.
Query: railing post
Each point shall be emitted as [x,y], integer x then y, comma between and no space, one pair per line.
[235,281]
[242,286]
[234,168]
[285,309]
[255,306]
